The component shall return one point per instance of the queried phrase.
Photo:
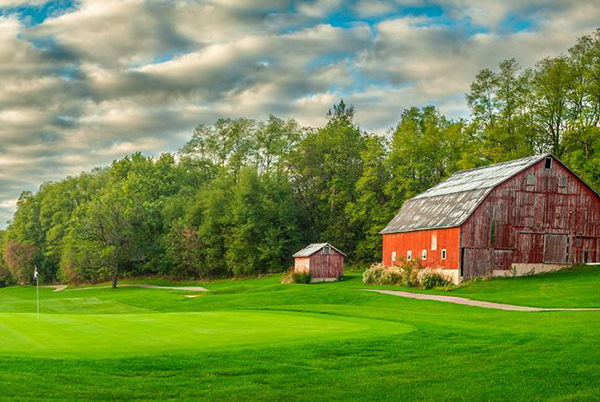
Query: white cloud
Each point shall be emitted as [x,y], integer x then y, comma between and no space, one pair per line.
[319,8]
[111,77]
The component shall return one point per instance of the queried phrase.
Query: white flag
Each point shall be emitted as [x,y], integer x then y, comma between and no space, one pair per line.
[35,273]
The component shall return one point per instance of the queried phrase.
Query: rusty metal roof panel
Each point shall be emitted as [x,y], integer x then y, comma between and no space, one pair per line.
[441,211]
[451,202]
[313,248]
[479,178]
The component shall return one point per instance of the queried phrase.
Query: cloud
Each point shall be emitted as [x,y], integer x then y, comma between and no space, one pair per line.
[319,8]
[97,80]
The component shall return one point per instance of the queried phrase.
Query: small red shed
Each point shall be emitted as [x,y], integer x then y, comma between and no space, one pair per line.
[324,262]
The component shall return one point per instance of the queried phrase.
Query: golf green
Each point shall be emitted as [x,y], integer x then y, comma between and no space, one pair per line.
[117,335]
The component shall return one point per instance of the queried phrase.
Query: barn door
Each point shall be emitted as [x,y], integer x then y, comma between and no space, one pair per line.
[530,247]
[556,248]
[584,249]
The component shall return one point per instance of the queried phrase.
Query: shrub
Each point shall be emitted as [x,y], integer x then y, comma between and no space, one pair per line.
[391,276]
[407,273]
[430,280]
[373,274]
[288,276]
[302,277]
[409,270]
[295,277]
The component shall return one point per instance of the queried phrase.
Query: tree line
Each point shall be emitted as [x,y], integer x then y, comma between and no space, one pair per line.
[241,196]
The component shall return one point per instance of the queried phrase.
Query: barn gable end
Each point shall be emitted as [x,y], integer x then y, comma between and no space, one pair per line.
[539,216]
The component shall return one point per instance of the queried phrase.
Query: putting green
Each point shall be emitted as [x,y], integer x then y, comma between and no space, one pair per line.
[117,335]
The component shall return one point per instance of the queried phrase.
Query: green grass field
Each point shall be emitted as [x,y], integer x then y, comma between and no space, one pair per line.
[258,339]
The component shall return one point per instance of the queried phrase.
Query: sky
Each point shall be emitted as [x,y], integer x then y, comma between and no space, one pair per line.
[85,82]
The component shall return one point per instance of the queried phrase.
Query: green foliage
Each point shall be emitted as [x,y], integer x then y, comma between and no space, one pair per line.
[373,274]
[431,279]
[291,276]
[302,277]
[325,169]
[391,277]
[185,252]
[409,272]
[242,195]
[406,273]
[554,107]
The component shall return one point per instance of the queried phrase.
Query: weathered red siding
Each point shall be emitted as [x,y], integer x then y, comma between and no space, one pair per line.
[553,217]
[417,241]
[326,265]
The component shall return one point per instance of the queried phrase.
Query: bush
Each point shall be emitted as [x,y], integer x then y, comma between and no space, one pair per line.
[391,277]
[409,270]
[373,274]
[296,277]
[302,277]
[407,274]
[430,280]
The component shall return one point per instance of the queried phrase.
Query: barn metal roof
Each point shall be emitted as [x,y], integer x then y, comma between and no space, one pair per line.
[313,248]
[451,202]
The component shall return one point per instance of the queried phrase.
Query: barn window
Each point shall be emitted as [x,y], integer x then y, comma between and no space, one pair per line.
[443,254]
[562,182]
[393,256]
[578,242]
[434,241]
[530,179]
[548,164]
[424,255]
[326,250]
[408,255]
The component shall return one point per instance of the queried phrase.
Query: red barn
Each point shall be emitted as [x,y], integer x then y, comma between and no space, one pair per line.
[523,216]
[324,262]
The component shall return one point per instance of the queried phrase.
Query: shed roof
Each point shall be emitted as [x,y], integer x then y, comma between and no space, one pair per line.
[452,201]
[313,248]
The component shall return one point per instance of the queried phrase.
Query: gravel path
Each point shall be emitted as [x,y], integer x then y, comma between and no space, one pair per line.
[476,303]
[185,288]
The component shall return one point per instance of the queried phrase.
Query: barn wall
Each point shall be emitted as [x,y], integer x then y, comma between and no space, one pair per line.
[539,220]
[418,241]
[326,265]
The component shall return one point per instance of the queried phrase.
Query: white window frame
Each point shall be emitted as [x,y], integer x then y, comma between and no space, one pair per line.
[444,254]
[393,256]
[433,242]
[409,255]
[326,250]
[424,255]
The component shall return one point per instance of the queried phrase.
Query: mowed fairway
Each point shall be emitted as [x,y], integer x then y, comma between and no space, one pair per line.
[102,335]
[258,339]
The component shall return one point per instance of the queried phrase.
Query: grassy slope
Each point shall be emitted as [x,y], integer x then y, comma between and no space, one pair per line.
[571,288]
[451,351]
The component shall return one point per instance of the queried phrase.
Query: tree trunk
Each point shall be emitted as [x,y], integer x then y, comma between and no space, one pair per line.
[115,277]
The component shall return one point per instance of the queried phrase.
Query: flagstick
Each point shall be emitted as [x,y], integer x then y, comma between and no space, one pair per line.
[37,281]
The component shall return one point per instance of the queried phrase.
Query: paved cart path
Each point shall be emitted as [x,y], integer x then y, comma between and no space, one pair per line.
[470,302]
[135,285]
